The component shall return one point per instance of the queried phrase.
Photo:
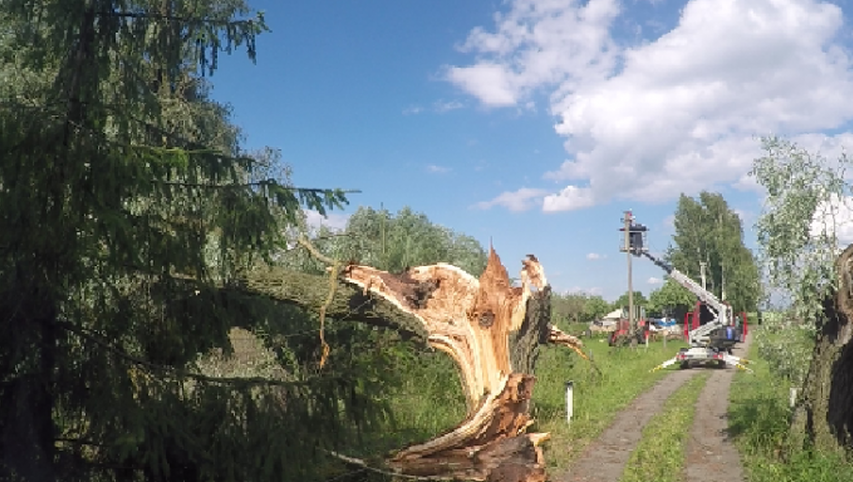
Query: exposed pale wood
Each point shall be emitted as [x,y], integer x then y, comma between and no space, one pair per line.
[467,318]
[557,337]
[492,330]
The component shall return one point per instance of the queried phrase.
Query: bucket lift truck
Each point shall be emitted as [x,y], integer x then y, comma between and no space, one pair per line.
[710,339]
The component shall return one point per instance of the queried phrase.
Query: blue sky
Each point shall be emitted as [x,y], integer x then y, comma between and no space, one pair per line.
[536,123]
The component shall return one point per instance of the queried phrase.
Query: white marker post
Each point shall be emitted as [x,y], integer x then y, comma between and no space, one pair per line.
[570,385]
[792,397]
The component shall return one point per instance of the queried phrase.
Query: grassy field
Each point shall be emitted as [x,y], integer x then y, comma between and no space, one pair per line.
[661,452]
[624,374]
[431,402]
[759,416]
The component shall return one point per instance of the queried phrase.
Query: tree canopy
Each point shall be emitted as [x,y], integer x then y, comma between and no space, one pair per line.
[622,301]
[798,229]
[669,299]
[798,233]
[578,307]
[393,242]
[708,231]
[126,204]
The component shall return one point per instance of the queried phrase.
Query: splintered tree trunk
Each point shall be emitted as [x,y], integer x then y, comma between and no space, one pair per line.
[492,331]
[825,415]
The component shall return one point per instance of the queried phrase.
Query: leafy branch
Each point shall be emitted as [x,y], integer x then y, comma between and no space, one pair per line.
[797,231]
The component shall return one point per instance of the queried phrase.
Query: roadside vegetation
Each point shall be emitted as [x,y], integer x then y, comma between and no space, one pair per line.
[760,414]
[660,455]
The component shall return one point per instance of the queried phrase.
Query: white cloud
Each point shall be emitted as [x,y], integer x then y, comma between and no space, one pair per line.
[446,106]
[520,200]
[439,106]
[679,114]
[537,43]
[595,256]
[654,281]
[488,82]
[412,110]
[435,169]
[570,198]
[333,221]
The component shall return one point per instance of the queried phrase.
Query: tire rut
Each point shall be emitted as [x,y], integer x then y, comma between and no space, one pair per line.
[605,458]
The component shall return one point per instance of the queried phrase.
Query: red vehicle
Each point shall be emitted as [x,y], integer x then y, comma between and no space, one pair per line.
[623,329]
[723,337]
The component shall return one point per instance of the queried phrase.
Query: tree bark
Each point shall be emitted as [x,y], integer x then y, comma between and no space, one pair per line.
[311,291]
[491,329]
[825,415]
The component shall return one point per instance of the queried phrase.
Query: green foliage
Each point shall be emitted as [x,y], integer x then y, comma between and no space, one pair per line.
[786,345]
[577,308]
[669,298]
[596,307]
[567,308]
[126,205]
[759,422]
[661,453]
[394,243]
[622,301]
[798,250]
[707,230]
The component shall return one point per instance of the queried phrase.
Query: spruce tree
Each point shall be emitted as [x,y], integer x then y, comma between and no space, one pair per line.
[126,204]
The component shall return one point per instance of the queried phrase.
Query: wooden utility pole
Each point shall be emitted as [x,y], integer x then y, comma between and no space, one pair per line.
[628,223]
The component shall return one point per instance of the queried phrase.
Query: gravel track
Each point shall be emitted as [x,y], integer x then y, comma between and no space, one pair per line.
[604,459]
[710,454]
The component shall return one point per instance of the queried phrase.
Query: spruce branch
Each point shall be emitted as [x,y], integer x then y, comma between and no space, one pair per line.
[172,372]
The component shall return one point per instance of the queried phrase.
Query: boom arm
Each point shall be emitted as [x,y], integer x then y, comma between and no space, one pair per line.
[721,311]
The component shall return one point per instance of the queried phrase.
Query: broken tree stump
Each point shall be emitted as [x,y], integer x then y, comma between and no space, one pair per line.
[492,330]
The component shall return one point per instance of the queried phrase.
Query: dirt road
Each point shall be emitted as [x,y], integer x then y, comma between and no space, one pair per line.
[710,454]
[604,459]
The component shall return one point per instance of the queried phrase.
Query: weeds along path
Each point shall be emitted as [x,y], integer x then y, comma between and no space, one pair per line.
[604,459]
[711,455]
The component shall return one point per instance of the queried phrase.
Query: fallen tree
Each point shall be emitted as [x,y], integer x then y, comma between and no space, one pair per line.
[491,329]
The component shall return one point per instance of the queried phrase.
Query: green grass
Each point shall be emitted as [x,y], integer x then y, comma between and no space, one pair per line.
[661,452]
[597,397]
[759,417]
[429,401]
